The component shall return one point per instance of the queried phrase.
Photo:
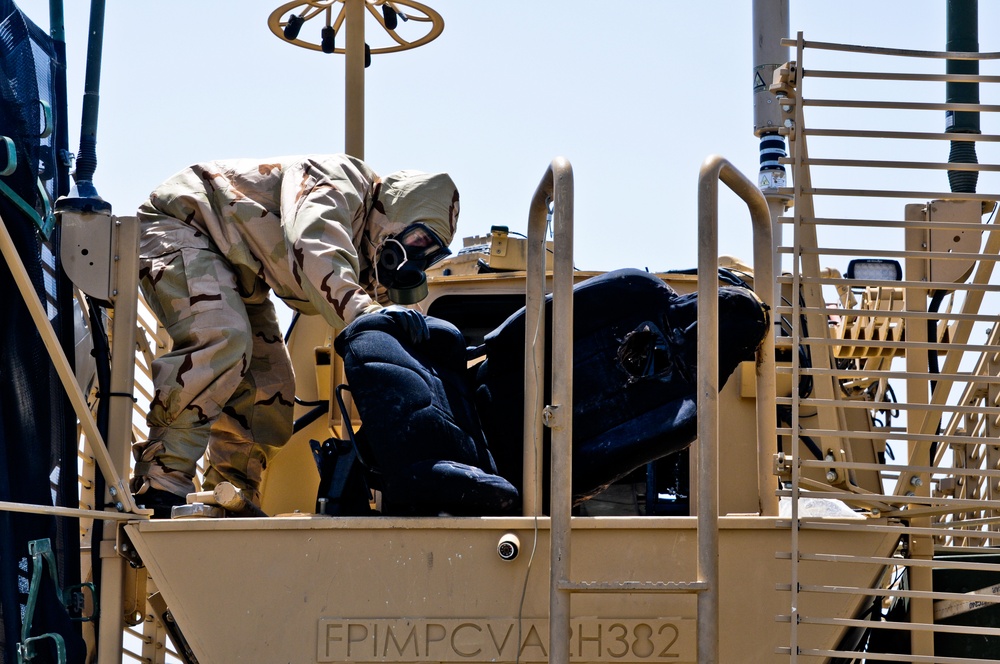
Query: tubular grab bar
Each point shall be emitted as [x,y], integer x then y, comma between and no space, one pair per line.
[556,187]
[714,169]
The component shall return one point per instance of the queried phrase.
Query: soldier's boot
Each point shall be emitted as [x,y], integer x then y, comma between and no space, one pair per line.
[155,486]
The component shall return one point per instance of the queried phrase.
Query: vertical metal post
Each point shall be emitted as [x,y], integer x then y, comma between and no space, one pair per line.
[921,546]
[123,336]
[716,168]
[559,415]
[534,357]
[708,413]
[109,648]
[556,187]
[354,93]
[767,426]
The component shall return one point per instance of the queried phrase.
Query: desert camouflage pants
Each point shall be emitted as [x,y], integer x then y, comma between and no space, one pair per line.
[226,386]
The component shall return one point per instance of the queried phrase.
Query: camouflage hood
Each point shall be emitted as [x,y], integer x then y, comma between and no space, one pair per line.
[407,197]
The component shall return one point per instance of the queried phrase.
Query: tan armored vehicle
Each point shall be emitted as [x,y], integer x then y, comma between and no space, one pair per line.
[837,503]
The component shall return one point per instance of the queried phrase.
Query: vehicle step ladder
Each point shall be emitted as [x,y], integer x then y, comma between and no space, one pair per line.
[556,188]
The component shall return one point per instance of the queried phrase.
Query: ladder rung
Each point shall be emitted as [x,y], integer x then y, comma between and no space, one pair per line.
[634,586]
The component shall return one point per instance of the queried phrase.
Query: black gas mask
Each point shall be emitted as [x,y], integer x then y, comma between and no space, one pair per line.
[402,258]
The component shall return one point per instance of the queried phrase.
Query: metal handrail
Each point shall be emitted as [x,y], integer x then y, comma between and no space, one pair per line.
[713,169]
[556,187]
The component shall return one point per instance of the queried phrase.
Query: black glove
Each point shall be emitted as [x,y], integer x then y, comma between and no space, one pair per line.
[410,321]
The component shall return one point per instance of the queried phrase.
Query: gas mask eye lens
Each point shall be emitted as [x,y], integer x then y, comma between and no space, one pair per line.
[422,244]
[419,238]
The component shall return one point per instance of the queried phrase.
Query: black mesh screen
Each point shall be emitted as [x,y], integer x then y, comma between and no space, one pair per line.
[37,429]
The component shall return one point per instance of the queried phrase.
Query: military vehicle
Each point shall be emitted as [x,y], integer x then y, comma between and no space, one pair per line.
[838,503]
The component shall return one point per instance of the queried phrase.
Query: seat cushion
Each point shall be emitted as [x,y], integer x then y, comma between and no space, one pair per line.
[419,420]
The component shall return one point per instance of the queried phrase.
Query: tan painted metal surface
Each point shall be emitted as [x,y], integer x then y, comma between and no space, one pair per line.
[297,574]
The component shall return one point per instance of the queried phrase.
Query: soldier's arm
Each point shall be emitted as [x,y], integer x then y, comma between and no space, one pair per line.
[321,202]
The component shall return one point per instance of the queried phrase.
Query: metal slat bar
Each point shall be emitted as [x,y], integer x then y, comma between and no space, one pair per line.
[900,52]
[879,435]
[920,165]
[900,105]
[895,313]
[52,510]
[901,135]
[886,223]
[898,76]
[881,373]
[949,470]
[961,504]
[912,626]
[865,526]
[901,345]
[893,405]
[961,526]
[924,255]
[929,285]
[897,592]
[885,193]
[898,562]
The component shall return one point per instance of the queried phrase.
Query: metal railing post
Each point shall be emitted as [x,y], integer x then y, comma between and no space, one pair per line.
[556,187]
[126,303]
[354,79]
[716,168]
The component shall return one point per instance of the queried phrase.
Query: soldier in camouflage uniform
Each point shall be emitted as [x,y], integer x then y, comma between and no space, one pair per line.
[216,238]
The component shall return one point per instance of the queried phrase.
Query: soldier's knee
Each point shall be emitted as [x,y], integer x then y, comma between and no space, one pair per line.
[273,422]
[235,349]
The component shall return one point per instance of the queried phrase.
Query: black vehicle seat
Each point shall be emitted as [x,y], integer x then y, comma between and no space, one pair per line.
[421,434]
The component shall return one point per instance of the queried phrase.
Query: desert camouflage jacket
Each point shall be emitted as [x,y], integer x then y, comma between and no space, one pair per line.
[305,226]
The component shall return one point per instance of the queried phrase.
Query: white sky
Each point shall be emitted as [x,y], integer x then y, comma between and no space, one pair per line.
[635,95]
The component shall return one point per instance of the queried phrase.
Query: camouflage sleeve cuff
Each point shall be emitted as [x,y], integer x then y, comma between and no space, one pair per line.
[370,309]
